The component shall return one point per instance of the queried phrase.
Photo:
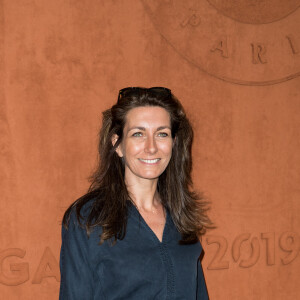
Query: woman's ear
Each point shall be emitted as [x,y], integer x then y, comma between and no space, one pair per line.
[118,149]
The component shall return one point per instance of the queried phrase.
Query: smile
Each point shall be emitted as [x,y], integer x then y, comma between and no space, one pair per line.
[149,161]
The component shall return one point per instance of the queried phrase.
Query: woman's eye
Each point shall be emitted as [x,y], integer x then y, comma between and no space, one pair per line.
[163,134]
[138,134]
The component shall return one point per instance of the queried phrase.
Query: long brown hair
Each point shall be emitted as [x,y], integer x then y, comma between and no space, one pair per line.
[108,196]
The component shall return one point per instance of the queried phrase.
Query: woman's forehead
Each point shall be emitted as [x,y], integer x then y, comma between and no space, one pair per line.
[147,116]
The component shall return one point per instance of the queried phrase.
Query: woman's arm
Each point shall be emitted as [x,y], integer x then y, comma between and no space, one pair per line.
[76,273]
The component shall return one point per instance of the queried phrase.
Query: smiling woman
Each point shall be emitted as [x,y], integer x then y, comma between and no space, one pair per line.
[147,143]
[134,235]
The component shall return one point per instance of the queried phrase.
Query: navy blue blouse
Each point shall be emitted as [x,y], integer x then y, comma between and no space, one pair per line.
[139,267]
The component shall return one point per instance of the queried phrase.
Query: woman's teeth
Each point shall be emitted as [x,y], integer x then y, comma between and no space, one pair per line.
[150,161]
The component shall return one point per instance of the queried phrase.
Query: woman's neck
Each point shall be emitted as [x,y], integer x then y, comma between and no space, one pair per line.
[143,193]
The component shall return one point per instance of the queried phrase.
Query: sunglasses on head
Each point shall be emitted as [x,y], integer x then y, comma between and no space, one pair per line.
[159,90]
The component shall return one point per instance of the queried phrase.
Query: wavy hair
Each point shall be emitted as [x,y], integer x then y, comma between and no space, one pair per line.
[108,196]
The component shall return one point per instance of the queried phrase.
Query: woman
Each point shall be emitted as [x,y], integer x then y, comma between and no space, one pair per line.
[134,235]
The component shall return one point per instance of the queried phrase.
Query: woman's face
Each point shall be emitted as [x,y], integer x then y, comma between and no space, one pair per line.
[147,143]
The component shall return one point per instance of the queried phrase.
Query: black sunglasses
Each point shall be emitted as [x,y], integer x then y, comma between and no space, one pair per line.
[137,90]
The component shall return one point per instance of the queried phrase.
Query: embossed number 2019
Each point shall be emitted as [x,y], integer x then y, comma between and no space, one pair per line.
[289,243]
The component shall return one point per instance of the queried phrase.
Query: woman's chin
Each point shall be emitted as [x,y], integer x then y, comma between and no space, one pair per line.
[150,175]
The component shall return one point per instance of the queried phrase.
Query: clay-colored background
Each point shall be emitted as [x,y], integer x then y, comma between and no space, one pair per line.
[235,69]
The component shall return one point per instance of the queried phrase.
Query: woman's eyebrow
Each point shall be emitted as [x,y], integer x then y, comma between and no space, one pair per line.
[144,129]
[137,127]
[163,127]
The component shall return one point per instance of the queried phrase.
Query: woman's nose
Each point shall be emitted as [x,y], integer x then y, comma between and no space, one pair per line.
[150,146]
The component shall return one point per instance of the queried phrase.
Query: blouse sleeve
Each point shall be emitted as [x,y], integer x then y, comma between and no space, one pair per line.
[76,272]
[201,286]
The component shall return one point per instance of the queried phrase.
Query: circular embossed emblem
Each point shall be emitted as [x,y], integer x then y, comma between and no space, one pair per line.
[256,11]
[248,42]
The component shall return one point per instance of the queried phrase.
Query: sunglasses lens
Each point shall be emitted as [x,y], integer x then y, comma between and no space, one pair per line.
[129,90]
[159,88]
[162,91]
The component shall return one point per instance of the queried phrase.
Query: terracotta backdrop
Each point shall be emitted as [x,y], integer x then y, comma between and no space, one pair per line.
[234,65]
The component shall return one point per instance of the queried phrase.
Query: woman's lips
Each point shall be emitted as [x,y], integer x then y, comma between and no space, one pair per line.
[149,161]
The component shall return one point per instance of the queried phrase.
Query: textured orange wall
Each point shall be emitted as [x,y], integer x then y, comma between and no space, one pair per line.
[236,70]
